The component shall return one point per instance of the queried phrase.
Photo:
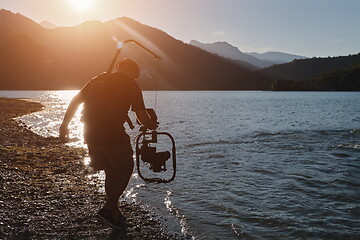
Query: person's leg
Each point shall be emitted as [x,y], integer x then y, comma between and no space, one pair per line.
[117,175]
[115,185]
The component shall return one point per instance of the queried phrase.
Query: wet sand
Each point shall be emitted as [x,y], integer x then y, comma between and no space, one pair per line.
[45,189]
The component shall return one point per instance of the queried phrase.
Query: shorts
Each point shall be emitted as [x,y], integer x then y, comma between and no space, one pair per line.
[114,157]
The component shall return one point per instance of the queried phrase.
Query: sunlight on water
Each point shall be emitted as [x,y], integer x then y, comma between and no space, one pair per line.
[130,194]
[132,191]
[65,95]
[185,229]
[236,230]
[86,161]
[47,122]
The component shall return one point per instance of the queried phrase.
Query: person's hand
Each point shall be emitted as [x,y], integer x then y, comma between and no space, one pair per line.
[64,134]
[152,126]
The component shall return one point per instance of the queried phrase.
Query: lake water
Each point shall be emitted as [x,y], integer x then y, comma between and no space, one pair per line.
[251,165]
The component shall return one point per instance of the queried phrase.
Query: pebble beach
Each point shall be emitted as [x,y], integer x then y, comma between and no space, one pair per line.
[46,192]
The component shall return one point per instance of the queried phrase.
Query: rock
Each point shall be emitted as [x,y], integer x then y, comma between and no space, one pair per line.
[59,171]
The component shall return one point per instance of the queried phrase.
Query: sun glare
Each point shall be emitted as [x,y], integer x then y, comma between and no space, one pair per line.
[82,4]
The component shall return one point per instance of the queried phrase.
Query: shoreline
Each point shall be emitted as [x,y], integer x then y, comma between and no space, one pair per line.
[45,189]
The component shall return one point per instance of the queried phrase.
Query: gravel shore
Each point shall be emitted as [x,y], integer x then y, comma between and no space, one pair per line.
[45,190]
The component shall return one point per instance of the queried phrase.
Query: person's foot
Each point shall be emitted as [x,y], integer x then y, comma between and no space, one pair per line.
[113,220]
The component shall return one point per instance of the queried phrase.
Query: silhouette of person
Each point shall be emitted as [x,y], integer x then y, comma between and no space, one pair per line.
[107,99]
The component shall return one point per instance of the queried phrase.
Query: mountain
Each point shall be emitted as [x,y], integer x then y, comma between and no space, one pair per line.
[11,22]
[48,25]
[228,51]
[309,68]
[279,57]
[34,57]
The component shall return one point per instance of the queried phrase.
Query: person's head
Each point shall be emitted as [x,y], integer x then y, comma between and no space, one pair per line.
[128,67]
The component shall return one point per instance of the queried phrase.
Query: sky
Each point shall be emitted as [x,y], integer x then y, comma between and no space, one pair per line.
[309,28]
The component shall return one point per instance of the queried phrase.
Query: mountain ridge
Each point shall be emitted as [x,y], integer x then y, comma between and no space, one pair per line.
[260,60]
[48,25]
[67,57]
[36,58]
[227,50]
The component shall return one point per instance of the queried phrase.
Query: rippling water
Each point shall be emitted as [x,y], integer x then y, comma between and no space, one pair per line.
[251,165]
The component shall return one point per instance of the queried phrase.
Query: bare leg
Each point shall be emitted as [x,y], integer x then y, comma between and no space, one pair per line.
[115,184]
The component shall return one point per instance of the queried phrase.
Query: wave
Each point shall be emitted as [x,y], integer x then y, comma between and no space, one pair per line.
[349,146]
[356,130]
[185,229]
[218,142]
[323,132]
[342,155]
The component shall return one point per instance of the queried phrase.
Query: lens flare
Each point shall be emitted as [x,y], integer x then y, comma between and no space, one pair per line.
[119,44]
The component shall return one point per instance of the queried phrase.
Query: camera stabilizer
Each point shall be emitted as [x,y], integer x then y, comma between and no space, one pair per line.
[156,161]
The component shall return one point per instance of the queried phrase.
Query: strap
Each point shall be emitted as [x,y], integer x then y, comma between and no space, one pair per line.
[129,122]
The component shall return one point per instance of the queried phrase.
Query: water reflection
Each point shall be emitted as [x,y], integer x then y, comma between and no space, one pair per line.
[86,161]
[274,166]
[47,122]
[64,95]
[185,229]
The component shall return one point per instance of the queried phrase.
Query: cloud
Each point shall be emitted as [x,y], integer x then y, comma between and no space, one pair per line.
[217,33]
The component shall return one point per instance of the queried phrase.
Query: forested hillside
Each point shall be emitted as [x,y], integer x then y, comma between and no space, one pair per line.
[347,79]
[34,57]
[309,68]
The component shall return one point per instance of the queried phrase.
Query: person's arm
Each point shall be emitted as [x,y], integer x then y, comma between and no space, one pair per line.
[70,112]
[145,119]
[74,105]
[138,107]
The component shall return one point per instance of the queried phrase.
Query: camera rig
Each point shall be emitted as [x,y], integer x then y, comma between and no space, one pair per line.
[156,161]
[147,154]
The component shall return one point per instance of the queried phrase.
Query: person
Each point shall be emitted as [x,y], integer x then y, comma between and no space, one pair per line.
[107,99]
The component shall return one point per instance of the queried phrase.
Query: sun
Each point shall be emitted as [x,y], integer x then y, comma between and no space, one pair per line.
[82,4]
